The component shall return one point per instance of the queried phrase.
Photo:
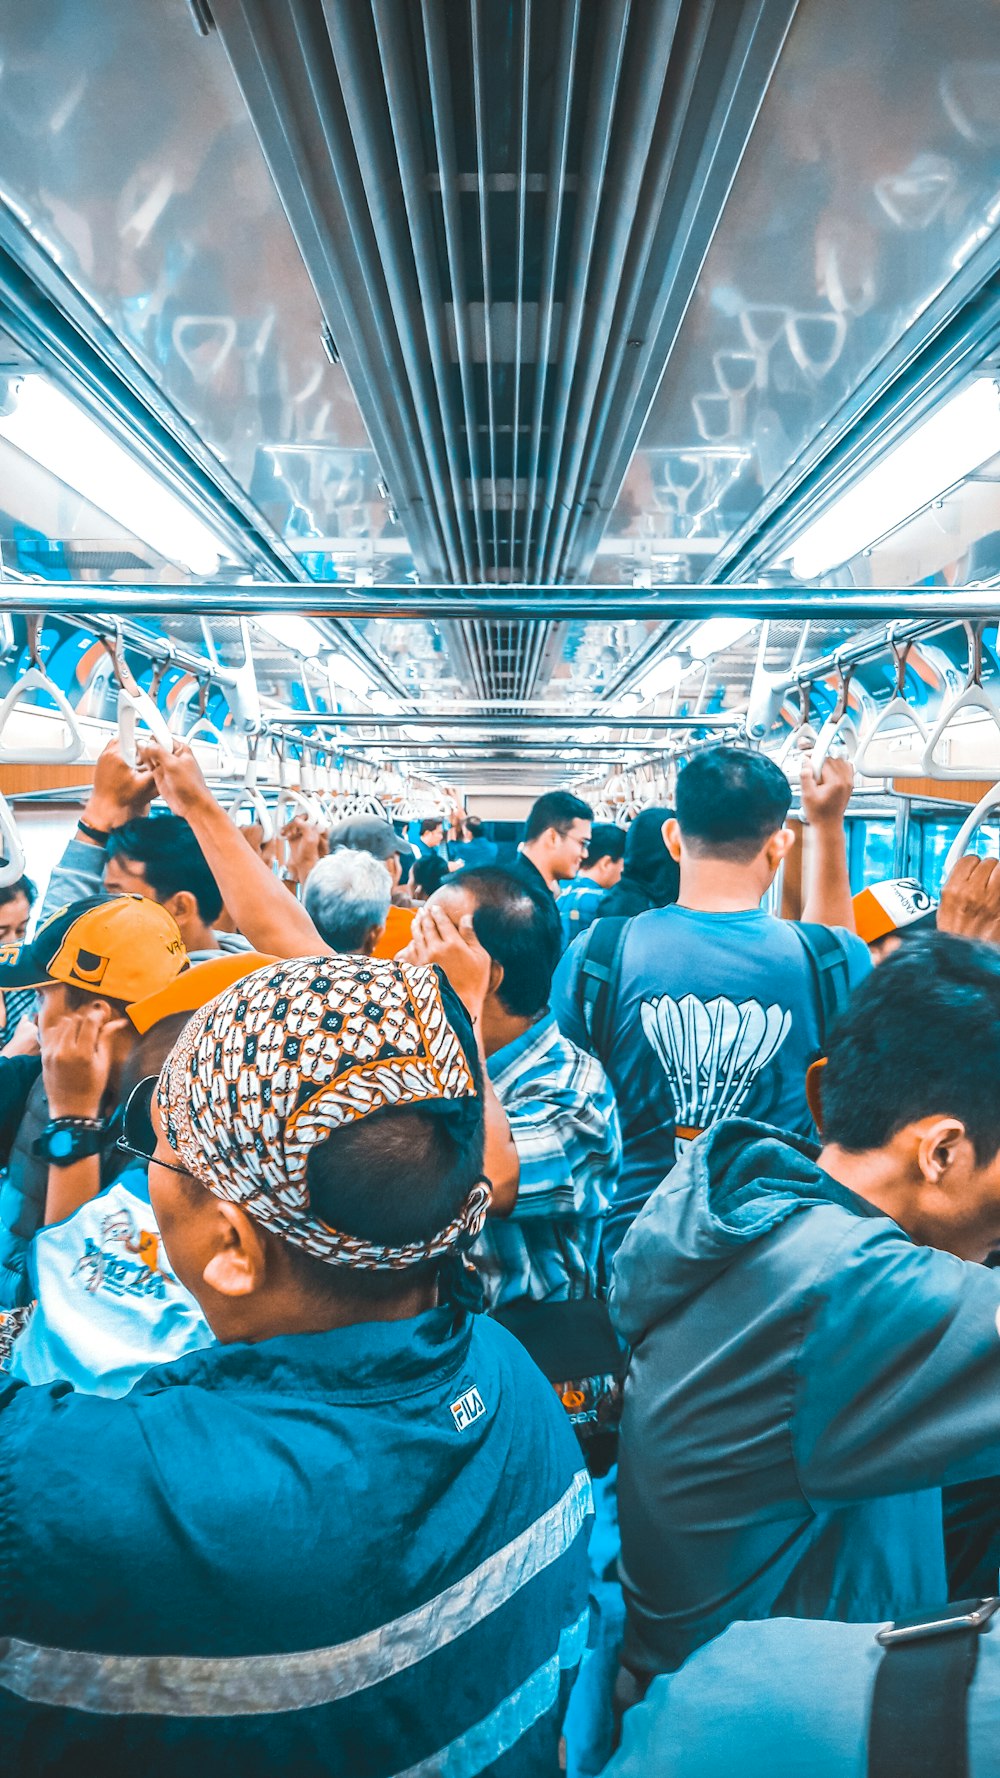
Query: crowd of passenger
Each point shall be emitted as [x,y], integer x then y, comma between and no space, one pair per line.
[477,1314]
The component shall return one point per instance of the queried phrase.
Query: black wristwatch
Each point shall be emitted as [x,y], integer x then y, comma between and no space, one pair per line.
[67,1140]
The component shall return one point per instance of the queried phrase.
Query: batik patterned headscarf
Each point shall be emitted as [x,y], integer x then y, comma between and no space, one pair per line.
[290,1054]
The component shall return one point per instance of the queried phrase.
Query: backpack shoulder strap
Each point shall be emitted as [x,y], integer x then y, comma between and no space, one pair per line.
[597,978]
[830,970]
[920,1702]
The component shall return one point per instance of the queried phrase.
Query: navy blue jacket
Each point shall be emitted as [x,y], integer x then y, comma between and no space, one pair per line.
[358,1552]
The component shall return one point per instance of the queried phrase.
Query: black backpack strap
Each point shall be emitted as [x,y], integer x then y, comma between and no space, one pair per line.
[597,979]
[831,973]
[919,1712]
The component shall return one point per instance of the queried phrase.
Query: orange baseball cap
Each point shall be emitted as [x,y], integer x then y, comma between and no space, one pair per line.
[196,987]
[124,947]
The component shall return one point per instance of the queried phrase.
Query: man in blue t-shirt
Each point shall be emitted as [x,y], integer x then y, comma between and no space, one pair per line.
[715,1011]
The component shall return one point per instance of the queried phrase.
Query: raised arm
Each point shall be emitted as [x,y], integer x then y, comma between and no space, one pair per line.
[456,950]
[118,795]
[263,909]
[824,805]
[77,1057]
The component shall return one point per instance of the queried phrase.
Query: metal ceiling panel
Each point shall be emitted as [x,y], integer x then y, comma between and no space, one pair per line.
[864,213]
[127,148]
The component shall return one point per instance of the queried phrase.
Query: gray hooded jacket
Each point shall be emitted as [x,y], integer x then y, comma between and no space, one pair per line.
[805,1379]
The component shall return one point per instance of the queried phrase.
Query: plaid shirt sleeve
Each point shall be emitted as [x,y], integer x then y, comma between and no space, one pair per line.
[564,1122]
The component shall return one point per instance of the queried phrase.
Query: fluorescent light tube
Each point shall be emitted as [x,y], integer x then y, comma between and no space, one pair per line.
[299,633]
[346,675]
[46,425]
[662,677]
[716,634]
[963,433]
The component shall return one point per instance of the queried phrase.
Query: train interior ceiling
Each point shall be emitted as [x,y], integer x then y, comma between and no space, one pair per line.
[499,398]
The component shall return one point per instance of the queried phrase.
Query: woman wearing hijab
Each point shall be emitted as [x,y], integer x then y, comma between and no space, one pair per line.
[651,878]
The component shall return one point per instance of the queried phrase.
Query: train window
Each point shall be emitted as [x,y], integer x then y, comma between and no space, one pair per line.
[936,839]
[871,851]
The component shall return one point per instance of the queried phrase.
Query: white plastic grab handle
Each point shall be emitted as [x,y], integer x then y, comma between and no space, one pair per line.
[12,867]
[957,848]
[897,717]
[135,707]
[974,697]
[249,797]
[292,802]
[831,733]
[36,679]
[205,730]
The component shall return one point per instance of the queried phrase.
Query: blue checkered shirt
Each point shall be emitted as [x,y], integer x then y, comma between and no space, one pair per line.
[564,1122]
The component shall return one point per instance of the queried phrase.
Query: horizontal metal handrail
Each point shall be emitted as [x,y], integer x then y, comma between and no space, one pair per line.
[509,602]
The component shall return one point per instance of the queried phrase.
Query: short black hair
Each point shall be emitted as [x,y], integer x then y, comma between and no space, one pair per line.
[519,926]
[558,809]
[24,886]
[919,1037]
[473,824]
[429,872]
[606,841]
[166,847]
[730,800]
[430,822]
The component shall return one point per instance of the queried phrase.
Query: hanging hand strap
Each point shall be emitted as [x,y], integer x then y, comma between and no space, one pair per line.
[134,706]
[37,679]
[13,862]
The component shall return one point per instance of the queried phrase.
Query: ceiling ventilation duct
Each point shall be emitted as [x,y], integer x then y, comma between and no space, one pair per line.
[503,208]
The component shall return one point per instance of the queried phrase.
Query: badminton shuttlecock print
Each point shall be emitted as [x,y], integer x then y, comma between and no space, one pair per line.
[711,1053]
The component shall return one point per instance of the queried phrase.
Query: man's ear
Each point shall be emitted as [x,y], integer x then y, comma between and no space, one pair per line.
[183,906]
[496,976]
[238,1265]
[778,847]
[671,831]
[939,1145]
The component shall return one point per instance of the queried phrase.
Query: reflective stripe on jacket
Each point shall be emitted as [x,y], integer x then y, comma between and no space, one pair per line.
[361,1551]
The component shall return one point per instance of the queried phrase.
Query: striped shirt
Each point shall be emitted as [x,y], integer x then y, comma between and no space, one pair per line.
[564,1123]
[18,1004]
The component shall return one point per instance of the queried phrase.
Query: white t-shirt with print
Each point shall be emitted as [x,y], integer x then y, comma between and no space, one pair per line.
[108,1307]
